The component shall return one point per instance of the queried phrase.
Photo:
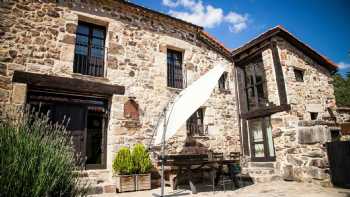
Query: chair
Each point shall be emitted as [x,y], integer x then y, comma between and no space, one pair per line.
[236,170]
[225,177]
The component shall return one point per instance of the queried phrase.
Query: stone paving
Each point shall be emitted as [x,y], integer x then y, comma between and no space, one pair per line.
[271,189]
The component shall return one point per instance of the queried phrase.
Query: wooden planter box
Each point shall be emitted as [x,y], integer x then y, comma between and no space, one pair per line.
[125,183]
[135,182]
[143,181]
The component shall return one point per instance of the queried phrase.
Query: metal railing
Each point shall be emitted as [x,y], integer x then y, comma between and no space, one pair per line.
[89,65]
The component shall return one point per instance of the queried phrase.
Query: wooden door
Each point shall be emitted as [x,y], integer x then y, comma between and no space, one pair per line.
[261,141]
[75,116]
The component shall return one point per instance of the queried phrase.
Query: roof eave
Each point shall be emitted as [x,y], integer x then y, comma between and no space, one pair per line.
[279,30]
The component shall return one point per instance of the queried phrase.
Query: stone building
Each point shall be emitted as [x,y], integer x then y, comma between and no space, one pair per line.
[112,66]
[285,95]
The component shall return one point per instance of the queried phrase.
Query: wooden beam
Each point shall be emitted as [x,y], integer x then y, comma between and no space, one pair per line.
[279,74]
[66,84]
[266,111]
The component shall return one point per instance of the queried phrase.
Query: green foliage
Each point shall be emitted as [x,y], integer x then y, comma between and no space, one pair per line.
[128,162]
[36,158]
[123,164]
[141,159]
[341,90]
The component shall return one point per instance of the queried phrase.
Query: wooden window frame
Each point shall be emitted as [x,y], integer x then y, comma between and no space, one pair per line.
[254,85]
[313,115]
[175,78]
[299,72]
[264,125]
[223,82]
[85,69]
[192,127]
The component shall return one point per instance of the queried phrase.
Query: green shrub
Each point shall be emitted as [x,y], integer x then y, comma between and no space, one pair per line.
[36,158]
[123,164]
[141,159]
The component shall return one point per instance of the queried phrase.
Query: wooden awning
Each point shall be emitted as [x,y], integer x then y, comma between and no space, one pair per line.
[41,81]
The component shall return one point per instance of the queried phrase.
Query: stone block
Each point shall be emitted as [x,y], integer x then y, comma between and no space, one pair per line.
[317,173]
[314,108]
[315,153]
[320,163]
[19,92]
[314,134]
[109,189]
[68,39]
[71,28]
[287,173]
[295,160]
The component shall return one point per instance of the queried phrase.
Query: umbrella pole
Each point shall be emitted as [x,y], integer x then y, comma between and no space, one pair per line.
[162,156]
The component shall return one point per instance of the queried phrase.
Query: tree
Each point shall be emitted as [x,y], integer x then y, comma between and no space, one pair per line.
[342,89]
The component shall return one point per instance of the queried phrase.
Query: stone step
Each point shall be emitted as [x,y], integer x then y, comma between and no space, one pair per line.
[261,165]
[92,180]
[266,178]
[260,171]
[99,181]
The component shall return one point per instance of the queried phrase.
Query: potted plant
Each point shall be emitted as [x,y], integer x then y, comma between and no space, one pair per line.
[132,169]
[142,167]
[123,168]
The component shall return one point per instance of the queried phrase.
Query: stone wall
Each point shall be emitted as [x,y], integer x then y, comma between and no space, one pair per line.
[299,141]
[40,37]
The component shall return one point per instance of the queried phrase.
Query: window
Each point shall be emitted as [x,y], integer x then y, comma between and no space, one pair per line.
[313,115]
[223,82]
[299,75]
[195,125]
[174,71]
[261,141]
[89,49]
[255,84]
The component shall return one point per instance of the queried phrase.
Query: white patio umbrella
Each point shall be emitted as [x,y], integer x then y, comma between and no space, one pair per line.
[183,106]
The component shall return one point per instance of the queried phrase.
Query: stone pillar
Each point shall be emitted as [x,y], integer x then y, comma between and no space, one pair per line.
[19,93]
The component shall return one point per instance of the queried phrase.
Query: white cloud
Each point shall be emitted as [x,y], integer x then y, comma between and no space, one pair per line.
[343,65]
[204,16]
[207,16]
[237,21]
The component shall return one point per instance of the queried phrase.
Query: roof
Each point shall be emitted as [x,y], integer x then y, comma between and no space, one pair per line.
[220,47]
[281,31]
[158,13]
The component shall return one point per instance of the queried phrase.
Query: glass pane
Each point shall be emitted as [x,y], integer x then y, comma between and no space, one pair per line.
[97,53]
[251,98]
[256,130]
[99,33]
[262,98]
[249,74]
[83,29]
[82,40]
[81,50]
[269,137]
[259,71]
[97,43]
[259,150]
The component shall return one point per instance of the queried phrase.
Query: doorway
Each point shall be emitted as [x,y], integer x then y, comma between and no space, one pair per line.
[85,121]
[261,141]
[95,140]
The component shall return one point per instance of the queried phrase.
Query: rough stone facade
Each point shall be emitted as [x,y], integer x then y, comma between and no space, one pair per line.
[299,141]
[40,38]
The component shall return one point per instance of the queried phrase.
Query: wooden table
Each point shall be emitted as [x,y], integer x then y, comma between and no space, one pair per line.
[191,163]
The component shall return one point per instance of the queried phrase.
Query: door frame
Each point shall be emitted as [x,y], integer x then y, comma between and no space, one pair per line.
[100,103]
[103,163]
[264,125]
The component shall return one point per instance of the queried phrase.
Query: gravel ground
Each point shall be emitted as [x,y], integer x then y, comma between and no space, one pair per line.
[271,189]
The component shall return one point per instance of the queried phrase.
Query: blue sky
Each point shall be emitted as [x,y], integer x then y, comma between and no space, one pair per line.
[322,24]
